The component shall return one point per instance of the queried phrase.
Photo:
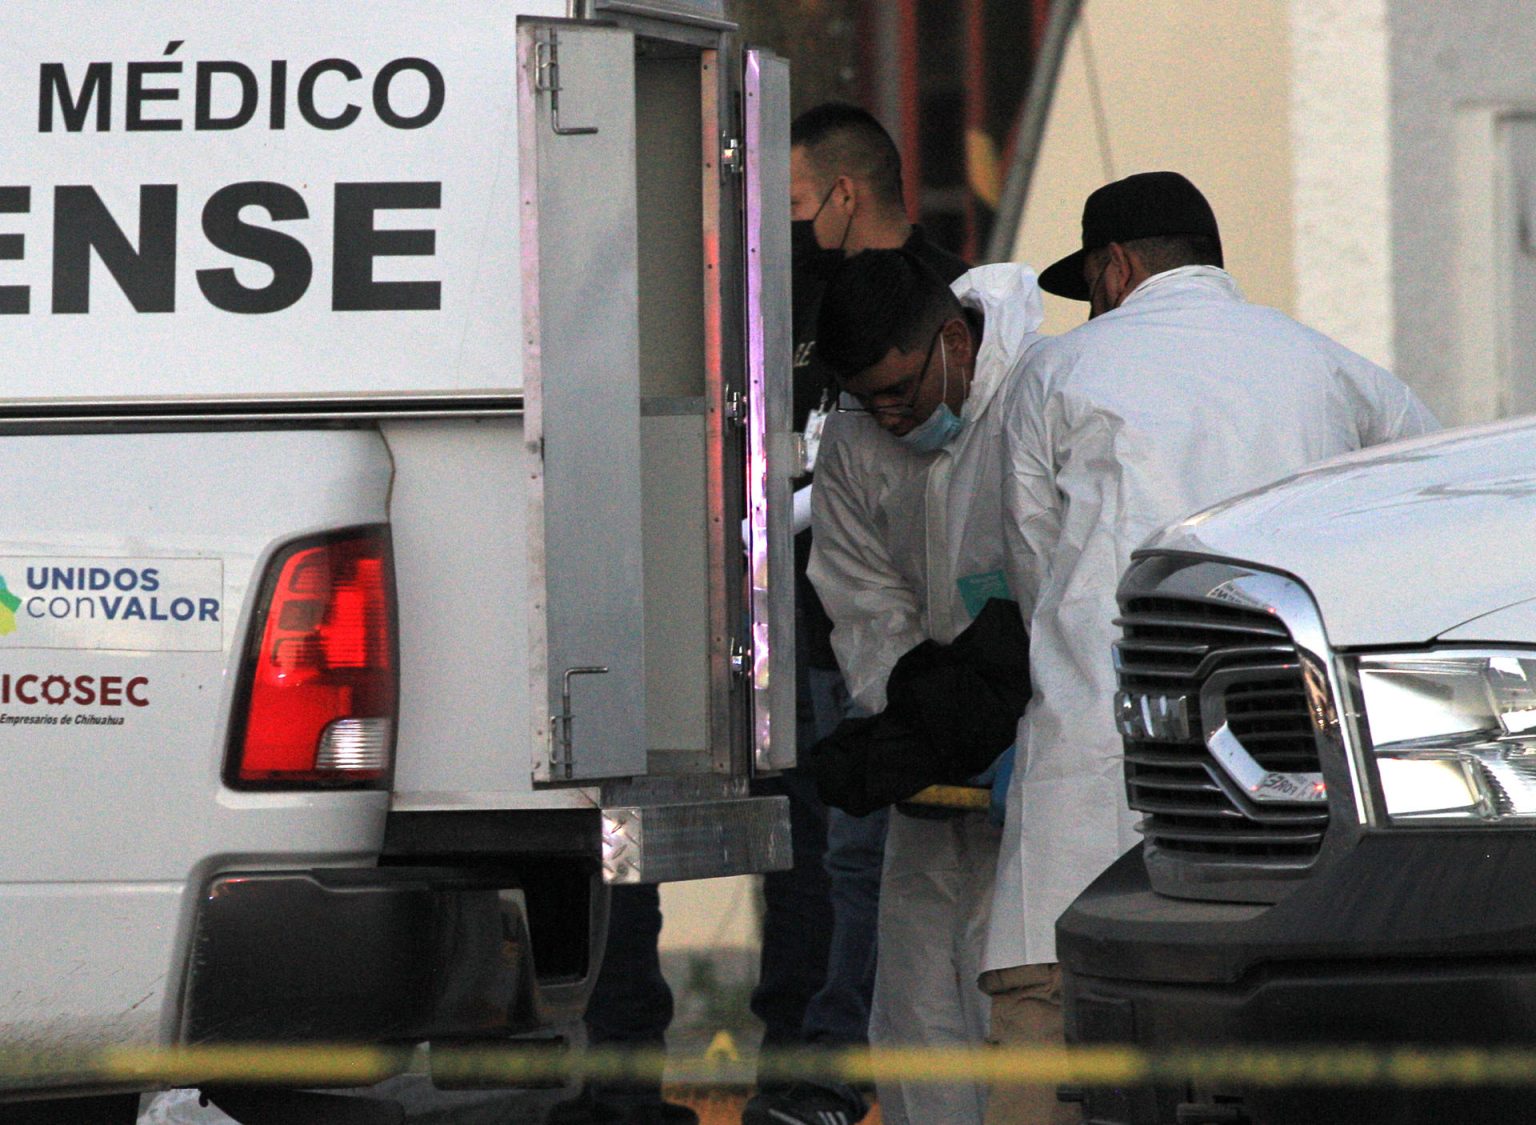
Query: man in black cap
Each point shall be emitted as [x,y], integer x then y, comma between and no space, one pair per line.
[1177,393]
[1132,229]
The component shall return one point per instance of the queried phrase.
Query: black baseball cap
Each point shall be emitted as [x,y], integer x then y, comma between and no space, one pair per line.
[1147,205]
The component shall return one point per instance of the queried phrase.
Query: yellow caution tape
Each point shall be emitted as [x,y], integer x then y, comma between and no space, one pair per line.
[953,797]
[233,1065]
[148,1067]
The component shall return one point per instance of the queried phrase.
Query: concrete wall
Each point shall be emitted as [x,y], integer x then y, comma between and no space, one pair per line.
[710,914]
[1455,69]
[1197,86]
[1355,153]
[1405,217]
[1341,172]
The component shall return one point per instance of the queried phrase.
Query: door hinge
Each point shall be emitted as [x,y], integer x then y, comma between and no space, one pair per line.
[731,157]
[736,409]
[546,80]
[741,658]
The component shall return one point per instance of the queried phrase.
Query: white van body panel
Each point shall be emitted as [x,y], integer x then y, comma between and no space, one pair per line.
[111,828]
[432,202]
[458,510]
[470,274]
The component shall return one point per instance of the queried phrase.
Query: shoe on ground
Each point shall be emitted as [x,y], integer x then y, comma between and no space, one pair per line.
[660,1113]
[806,1103]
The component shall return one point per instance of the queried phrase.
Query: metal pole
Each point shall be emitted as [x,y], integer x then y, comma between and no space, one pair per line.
[974,67]
[911,142]
[1037,107]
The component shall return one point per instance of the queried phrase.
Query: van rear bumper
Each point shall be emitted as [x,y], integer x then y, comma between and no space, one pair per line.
[363,955]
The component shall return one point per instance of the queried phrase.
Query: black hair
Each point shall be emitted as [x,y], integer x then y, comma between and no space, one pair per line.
[844,140]
[1170,251]
[879,300]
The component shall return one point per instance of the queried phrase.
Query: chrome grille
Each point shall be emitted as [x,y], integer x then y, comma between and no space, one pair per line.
[1173,646]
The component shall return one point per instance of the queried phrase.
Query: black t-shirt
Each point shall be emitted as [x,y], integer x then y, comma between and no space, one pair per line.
[813,388]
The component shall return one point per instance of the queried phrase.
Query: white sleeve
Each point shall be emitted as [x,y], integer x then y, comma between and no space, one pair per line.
[801,515]
[874,610]
[1031,507]
[1071,730]
[1069,803]
[1386,409]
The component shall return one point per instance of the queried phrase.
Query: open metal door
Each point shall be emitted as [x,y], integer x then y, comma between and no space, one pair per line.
[576,123]
[772,459]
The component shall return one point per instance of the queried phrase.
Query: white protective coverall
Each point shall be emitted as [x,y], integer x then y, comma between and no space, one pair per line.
[907,547]
[1184,395]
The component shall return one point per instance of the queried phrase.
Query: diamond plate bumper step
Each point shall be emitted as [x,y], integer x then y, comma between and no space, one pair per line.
[697,840]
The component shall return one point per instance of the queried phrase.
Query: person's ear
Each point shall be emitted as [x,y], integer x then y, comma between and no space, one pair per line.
[957,340]
[845,193]
[1119,274]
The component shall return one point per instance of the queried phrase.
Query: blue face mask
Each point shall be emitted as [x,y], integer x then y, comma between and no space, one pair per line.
[933,432]
[939,428]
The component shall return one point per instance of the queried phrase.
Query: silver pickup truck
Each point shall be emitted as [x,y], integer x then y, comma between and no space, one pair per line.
[1328,699]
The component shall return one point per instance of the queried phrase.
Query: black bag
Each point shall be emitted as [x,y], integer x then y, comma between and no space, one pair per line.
[950,711]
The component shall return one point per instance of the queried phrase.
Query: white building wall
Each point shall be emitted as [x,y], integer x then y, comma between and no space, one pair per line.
[1195,86]
[1456,68]
[1355,153]
[1341,171]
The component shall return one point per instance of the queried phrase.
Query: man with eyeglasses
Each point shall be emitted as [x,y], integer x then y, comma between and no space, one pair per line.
[907,547]
[819,949]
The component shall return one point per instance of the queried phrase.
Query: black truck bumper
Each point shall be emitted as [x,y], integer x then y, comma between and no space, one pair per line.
[1408,939]
[389,954]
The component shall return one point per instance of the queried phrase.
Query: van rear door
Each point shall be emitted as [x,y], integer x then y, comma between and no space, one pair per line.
[582,392]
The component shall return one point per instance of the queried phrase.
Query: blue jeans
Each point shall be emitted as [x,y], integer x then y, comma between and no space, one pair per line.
[817,970]
[838,1015]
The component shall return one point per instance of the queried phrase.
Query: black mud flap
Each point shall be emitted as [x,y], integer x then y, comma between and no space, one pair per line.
[300,1107]
[116,1109]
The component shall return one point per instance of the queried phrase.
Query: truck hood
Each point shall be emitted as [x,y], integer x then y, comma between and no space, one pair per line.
[1399,544]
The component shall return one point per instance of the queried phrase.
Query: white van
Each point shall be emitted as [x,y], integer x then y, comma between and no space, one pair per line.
[385,386]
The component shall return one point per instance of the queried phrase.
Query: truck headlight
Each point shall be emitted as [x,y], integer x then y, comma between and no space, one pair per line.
[1452,734]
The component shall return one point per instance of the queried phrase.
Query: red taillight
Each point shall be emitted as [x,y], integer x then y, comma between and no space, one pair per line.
[320,685]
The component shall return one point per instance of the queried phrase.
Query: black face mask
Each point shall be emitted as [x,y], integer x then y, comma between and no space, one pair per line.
[808,257]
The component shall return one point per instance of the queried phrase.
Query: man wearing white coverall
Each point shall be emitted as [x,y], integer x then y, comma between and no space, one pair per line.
[906,547]
[1176,394]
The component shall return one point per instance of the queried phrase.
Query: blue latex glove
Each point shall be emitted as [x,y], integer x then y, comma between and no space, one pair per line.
[1002,774]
